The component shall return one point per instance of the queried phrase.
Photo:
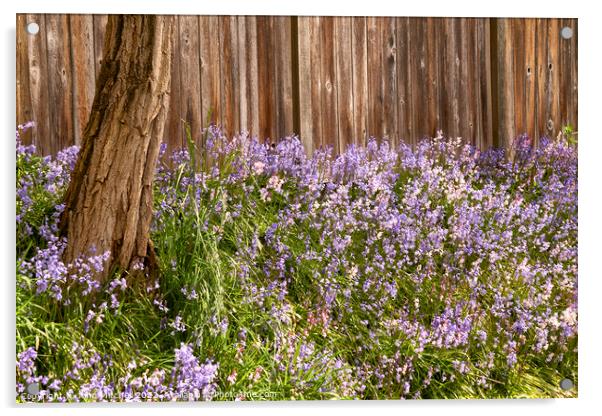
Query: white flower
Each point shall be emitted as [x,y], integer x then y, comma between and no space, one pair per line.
[258,168]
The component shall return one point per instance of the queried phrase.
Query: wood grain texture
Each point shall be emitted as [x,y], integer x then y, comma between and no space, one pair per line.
[173,134]
[405,103]
[229,69]
[337,80]
[328,84]
[23,94]
[100,25]
[38,85]
[344,76]
[305,83]
[542,77]
[359,56]
[84,80]
[210,69]
[389,78]
[283,73]
[190,75]
[376,107]
[252,88]
[315,81]
[265,67]
[553,126]
[58,45]
[505,82]
[529,72]
[486,86]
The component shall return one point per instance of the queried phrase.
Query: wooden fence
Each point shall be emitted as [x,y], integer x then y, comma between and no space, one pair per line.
[332,80]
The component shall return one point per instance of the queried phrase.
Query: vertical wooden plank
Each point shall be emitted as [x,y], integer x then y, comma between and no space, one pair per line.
[38,85]
[59,82]
[252,92]
[389,65]
[572,91]
[190,74]
[541,82]
[431,112]
[24,104]
[242,73]
[518,70]
[210,69]
[474,49]
[449,77]
[505,81]
[305,83]
[416,98]
[173,133]
[529,73]
[359,54]
[404,99]
[486,73]
[283,75]
[344,77]
[316,81]
[375,78]
[100,24]
[553,91]
[328,84]
[459,32]
[568,75]
[467,74]
[265,51]
[229,73]
[475,109]
[84,82]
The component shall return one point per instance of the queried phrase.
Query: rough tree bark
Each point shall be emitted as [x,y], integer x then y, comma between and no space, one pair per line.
[108,205]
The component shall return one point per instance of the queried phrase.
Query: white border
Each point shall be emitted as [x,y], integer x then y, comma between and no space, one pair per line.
[590,158]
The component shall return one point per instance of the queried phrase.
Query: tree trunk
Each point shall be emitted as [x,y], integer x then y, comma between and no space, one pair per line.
[108,205]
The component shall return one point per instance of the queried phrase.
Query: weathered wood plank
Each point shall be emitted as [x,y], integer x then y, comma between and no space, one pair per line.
[465,109]
[529,72]
[431,63]
[568,75]
[59,82]
[519,75]
[553,89]
[305,83]
[359,56]
[316,81]
[265,67]
[403,87]
[486,83]
[329,111]
[283,75]
[228,54]
[471,63]
[100,24]
[241,45]
[174,132]
[38,85]
[190,75]
[252,89]
[389,77]
[375,78]
[542,77]
[210,69]
[344,77]
[24,104]
[84,80]
[446,76]
[505,82]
